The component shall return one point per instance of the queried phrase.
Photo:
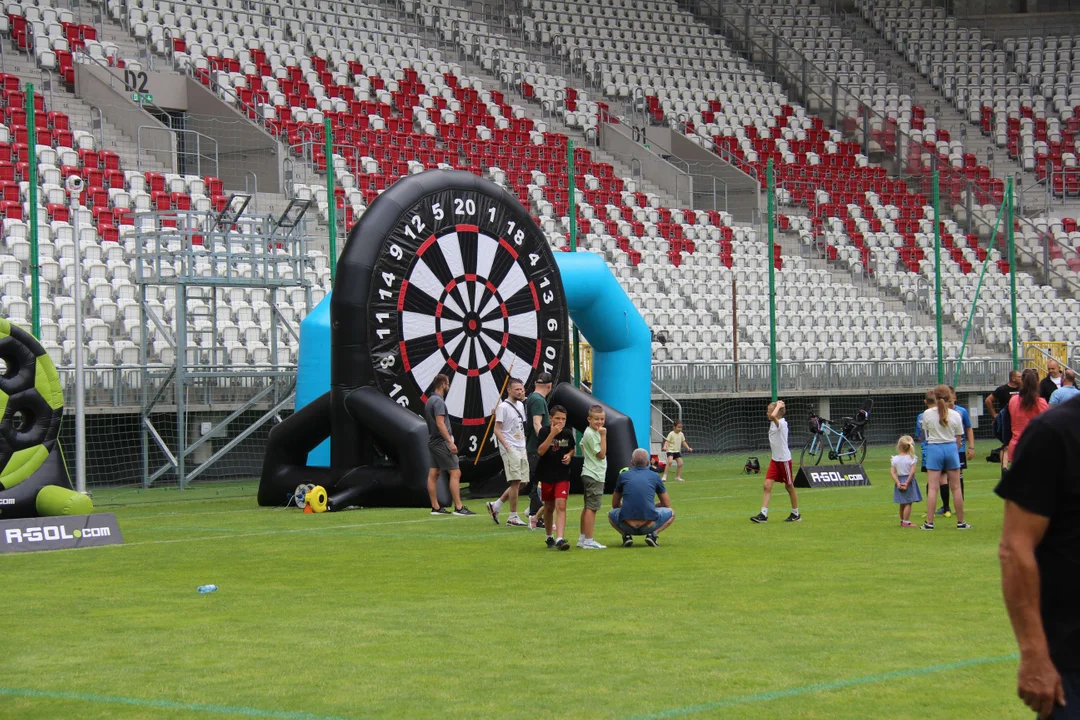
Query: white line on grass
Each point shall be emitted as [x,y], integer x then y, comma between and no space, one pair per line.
[822,687]
[165,704]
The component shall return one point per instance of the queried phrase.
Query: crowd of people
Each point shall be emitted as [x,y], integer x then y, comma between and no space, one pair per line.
[537,448]
[1040,544]
[1040,538]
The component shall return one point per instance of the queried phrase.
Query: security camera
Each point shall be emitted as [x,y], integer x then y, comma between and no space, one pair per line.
[74,184]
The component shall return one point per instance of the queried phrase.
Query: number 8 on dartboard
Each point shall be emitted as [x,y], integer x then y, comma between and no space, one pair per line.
[466,285]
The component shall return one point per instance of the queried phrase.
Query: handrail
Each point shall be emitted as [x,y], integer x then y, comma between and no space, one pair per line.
[670,397]
[100,127]
[642,148]
[457,33]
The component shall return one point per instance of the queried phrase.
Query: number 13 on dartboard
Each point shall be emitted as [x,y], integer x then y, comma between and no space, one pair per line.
[465,285]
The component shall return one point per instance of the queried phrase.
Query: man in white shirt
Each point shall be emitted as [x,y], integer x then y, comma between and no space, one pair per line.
[779,465]
[510,431]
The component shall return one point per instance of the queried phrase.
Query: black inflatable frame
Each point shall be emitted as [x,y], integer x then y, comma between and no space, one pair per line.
[29,372]
[380,455]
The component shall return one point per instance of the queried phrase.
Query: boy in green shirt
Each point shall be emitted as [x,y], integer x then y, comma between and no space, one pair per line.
[593,472]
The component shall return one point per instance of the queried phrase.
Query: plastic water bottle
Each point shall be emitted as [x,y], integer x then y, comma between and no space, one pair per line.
[203,589]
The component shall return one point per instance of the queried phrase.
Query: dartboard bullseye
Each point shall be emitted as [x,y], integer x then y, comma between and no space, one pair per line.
[464,285]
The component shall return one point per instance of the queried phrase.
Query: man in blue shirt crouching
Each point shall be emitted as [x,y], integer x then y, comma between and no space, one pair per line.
[633,509]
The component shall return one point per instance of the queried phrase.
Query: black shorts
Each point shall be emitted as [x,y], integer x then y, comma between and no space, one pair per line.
[674,455]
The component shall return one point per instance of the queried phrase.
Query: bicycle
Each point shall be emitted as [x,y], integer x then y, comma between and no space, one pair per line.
[847,445]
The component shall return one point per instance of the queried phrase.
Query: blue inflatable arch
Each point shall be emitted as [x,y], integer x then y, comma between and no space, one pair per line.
[620,340]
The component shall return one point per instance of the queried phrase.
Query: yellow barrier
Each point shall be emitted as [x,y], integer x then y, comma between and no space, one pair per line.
[586,363]
[1034,358]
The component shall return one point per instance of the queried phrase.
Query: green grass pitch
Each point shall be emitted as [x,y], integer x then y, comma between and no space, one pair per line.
[391,613]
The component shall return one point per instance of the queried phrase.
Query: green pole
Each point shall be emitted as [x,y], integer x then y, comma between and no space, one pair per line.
[35,267]
[978,288]
[327,131]
[937,281]
[1012,267]
[772,279]
[573,248]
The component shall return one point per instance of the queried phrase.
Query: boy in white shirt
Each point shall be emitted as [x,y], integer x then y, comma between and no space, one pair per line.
[779,465]
[510,430]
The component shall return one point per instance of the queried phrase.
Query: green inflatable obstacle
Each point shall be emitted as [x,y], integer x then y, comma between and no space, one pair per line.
[33,477]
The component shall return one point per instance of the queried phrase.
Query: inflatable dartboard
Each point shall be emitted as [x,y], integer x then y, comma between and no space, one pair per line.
[32,405]
[445,273]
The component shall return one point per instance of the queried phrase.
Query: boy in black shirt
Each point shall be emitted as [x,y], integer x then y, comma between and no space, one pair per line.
[556,450]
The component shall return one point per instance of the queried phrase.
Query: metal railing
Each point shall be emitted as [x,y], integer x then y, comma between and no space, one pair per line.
[182,152]
[655,431]
[809,377]
[127,386]
[689,185]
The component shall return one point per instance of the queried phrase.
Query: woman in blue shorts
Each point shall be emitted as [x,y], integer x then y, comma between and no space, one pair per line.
[942,430]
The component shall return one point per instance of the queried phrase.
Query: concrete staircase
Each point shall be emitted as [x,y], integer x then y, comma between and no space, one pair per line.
[81,117]
[1030,195]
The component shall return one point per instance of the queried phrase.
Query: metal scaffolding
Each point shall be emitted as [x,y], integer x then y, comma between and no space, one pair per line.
[190,267]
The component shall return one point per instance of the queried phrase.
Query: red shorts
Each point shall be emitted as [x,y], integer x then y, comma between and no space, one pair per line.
[550,491]
[780,471]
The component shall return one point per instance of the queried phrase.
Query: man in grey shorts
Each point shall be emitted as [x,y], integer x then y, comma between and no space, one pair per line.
[442,449]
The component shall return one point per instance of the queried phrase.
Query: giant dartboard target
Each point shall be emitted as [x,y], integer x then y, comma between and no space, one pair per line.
[464,284]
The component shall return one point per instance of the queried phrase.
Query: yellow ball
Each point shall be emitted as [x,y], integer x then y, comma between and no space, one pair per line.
[948,514]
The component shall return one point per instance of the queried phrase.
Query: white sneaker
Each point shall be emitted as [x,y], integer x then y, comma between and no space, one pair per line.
[516,521]
[592,545]
[581,542]
[679,479]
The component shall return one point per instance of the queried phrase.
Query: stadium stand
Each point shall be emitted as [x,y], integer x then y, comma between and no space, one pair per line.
[110,205]
[399,105]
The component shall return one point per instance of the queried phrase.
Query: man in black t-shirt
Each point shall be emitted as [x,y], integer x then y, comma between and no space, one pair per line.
[999,399]
[1040,561]
[556,450]
[536,417]
[1052,381]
